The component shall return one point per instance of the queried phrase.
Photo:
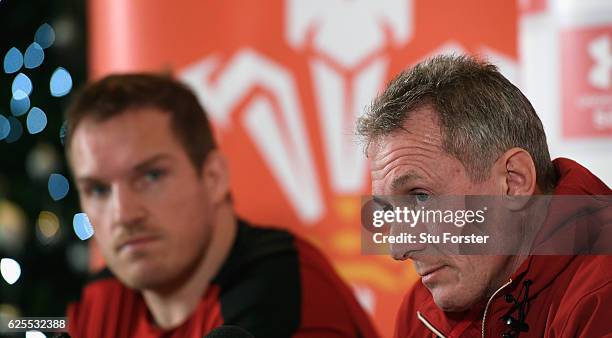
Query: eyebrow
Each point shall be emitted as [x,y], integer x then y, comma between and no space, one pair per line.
[148,162]
[142,166]
[402,180]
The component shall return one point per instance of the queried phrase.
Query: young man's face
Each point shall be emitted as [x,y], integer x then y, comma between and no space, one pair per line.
[147,203]
[412,161]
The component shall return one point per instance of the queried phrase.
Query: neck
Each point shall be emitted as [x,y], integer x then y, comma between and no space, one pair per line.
[170,308]
[529,229]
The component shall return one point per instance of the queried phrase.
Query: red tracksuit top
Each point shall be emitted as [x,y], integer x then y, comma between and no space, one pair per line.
[569,296]
[273,284]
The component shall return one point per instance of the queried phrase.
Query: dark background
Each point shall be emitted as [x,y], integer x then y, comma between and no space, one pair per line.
[53,270]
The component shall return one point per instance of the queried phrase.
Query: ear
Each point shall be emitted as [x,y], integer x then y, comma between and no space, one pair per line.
[519,176]
[215,176]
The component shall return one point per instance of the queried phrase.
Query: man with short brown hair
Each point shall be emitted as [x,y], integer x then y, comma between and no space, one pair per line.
[180,261]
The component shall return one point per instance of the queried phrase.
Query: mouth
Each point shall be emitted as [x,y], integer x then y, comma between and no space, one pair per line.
[136,243]
[430,273]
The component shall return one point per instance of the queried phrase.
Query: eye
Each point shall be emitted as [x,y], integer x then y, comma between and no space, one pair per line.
[97,190]
[419,197]
[422,197]
[154,175]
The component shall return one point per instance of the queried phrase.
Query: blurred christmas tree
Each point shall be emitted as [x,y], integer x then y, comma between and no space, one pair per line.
[41,256]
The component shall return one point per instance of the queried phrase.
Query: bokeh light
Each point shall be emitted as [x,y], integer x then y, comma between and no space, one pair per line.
[9,311]
[34,56]
[77,256]
[34,334]
[36,121]
[10,270]
[82,227]
[13,60]
[66,31]
[20,107]
[22,86]
[58,186]
[5,127]
[60,83]
[16,130]
[12,227]
[42,160]
[45,35]
[47,227]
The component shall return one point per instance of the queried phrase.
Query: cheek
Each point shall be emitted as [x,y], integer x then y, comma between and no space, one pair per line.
[184,214]
[467,270]
[181,192]
[476,273]
[103,241]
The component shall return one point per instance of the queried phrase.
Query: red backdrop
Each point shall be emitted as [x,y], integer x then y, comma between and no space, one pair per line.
[283,82]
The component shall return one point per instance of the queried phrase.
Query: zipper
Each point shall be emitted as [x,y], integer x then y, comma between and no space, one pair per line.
[484,316]
[429,326]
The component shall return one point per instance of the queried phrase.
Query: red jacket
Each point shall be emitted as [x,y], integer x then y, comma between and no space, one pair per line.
[273,284]
[569,296]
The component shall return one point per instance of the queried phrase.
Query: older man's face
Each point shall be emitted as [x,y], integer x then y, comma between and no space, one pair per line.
[411,161]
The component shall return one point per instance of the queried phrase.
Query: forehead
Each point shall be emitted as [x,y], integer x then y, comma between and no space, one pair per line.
[412,153]
[420,131]
[116,144]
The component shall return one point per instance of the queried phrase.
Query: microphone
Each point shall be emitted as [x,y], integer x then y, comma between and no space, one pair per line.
[229,331]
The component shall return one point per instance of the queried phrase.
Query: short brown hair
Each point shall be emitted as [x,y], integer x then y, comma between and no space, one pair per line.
[481,113]
[116,94]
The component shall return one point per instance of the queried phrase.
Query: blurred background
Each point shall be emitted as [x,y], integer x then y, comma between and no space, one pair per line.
[283,82]
[43,263]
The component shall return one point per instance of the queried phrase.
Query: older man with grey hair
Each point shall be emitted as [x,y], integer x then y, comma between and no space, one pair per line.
[453,125]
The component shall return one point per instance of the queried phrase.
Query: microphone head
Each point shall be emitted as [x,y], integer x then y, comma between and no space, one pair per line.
[229,331]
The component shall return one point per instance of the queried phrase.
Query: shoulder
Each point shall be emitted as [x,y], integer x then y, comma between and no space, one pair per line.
[584,309]
[104,300]
[328,302]
[270,269]
[257,251]
[101,288]
[260,276]
[591,275]
[582,276]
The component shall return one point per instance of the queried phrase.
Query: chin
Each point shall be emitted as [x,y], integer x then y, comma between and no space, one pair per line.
[455,300]
[450,306]
[140,276]
[142,282]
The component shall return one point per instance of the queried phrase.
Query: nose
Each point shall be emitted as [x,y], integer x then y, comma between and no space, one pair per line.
[127,209]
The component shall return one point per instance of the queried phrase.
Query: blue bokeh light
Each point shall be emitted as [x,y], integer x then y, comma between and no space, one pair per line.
[22,86]
[82,227]
[58,186]
[45,35]
[34,56]
[20,107]
[13,60]
[36,121]
[5,127]
[16,130]
[61,82]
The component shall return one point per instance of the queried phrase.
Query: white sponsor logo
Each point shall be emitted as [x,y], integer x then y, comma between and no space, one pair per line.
[600,75]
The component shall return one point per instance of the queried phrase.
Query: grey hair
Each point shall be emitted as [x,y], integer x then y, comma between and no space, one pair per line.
[481,114]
